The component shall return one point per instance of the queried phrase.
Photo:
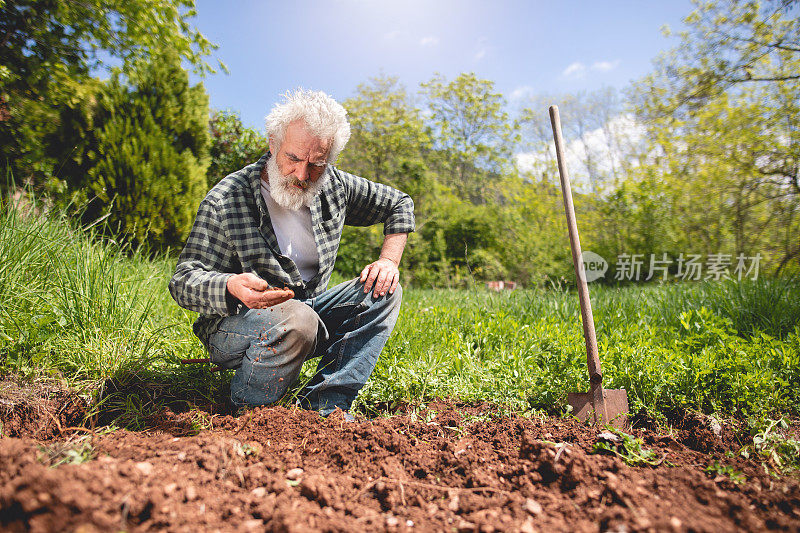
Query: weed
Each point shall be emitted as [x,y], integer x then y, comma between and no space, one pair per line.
[201,420]
[469,420]
[73,451]
[717,469]
[777,453]
[248,449]
[626,447]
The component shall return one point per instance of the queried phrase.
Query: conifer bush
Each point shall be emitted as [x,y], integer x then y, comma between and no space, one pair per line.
[144,154]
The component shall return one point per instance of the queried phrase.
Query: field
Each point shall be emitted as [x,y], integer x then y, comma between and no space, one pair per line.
[462,427]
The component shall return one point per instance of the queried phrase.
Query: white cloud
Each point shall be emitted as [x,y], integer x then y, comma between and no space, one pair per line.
[605,66]
[429,41]
[574,70]
[483,49]
[528,161]
[392,35]
[606,156]
[521,92]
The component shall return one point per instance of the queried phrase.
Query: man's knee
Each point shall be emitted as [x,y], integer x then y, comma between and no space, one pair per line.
[397,295]
[391,300]
[299,325]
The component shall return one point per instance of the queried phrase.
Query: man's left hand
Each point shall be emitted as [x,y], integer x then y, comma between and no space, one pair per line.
[383,274]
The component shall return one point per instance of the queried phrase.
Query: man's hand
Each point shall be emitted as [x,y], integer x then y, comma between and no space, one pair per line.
[256,293]
[383,274]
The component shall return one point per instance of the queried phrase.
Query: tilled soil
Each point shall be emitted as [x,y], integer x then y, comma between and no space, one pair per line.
[448,467]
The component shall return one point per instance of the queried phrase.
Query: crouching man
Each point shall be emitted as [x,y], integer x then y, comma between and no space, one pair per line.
[258,260]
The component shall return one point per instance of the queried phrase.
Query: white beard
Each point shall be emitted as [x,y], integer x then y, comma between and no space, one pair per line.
[282,189]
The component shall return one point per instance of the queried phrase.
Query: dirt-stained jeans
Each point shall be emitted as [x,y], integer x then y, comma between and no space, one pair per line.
[345,326]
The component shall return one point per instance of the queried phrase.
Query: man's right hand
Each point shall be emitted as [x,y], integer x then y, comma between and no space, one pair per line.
[256,293]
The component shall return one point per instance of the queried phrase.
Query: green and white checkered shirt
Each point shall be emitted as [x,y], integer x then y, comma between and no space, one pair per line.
[233,234]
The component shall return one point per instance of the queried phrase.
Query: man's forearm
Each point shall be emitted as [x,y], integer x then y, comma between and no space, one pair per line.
[195,288]
[393,246]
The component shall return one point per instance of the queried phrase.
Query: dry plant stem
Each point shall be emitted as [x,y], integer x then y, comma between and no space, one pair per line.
[244,424]
[58,424]
[427,486]
[196,360]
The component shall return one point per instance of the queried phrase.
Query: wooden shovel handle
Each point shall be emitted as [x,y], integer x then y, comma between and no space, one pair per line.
[593,361]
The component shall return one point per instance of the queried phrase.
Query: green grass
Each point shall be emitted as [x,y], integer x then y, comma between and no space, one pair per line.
[100,317]
[671,346]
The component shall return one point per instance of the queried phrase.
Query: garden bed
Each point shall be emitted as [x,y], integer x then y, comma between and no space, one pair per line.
[442,467]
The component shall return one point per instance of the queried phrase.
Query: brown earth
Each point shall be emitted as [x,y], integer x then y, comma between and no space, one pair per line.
[445,467]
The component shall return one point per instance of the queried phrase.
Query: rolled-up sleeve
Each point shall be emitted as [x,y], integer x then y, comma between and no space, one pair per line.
[204,266]
[370,203]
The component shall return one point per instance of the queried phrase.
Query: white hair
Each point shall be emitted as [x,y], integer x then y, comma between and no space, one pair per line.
[323,116]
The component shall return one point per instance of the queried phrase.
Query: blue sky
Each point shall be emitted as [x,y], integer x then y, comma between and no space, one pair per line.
[538,46]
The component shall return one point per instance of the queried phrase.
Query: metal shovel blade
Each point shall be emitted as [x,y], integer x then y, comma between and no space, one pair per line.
[616,407]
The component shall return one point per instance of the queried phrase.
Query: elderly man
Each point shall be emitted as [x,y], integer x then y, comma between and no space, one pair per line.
[259,258]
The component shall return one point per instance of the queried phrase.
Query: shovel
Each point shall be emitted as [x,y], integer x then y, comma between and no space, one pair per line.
[603,406]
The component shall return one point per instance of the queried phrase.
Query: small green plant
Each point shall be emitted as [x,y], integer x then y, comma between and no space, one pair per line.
[249,449]
[777,453]
[70,452]
[717,469]
[701,327]
[421,413]
[626,447]
[201,421]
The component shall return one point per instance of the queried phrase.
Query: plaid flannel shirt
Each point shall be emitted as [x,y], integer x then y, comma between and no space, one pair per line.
[232,233]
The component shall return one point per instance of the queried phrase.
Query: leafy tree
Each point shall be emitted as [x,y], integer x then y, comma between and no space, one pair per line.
[233,146]
[472,132]
[387,132]
[144,152]
[47,48]
[723,116]
[456,245]
[714,183]
[532,234]
[734,47]
[389,143]
[733,42]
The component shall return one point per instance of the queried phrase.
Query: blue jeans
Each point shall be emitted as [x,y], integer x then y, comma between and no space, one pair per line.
[345,326]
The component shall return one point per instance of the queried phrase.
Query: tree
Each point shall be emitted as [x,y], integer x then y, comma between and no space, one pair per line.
[734,47]
[472,133]
[47,48]
[723,113]
[387,132]
[714,183]
[233,146]
[389,144]
[532,239]
[144,153]
[734,42]
[601,138]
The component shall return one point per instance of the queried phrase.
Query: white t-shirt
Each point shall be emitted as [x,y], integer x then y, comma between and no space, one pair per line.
[294,233]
